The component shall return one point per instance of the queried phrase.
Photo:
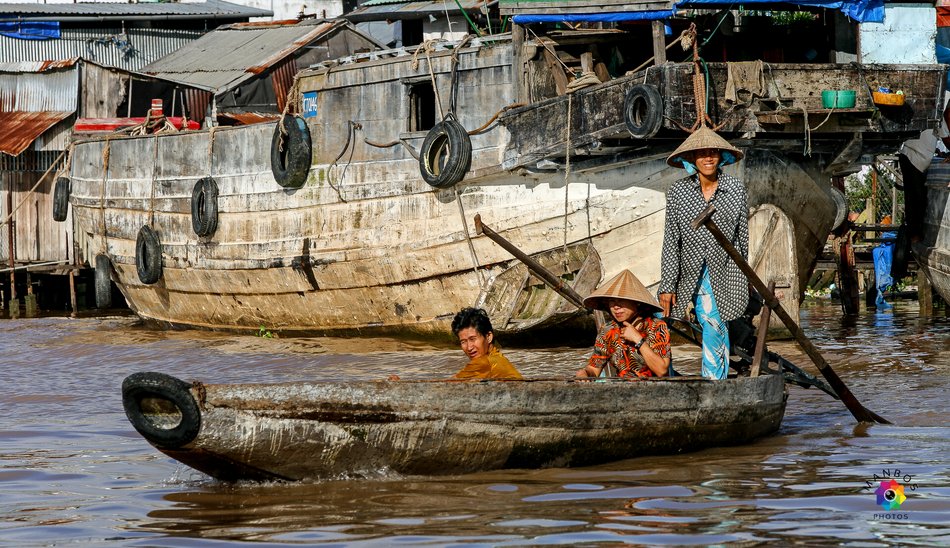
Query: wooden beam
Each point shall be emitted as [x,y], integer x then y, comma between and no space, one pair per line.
[659,42]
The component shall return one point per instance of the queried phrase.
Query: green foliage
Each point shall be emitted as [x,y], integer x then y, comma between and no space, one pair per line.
[265,333]
[858,189]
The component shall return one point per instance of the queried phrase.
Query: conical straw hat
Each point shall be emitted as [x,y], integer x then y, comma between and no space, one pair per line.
[622,286]
[700,139]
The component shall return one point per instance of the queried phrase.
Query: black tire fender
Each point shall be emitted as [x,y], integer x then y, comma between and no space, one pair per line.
[841,208]
[446,154]
[901,254]
[148,256]
[204,207]
[292,153]
[148,396]
[643,111]
[61,199]
[103,282]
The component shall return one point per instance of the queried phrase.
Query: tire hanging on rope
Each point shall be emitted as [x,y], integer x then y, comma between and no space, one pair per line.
[204,207]
[61,199]
[291,152]
[103,281]
[148,256]
[446,154]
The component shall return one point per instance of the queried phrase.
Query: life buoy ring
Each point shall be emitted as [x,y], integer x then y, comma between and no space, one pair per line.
[167,396]
[61,199]
[446,154]
[292,153]
[643,111]
[103,282]
[204,207]
[148,256]
[901,254]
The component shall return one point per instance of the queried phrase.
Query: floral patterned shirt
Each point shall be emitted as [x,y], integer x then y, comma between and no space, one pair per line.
[611,348]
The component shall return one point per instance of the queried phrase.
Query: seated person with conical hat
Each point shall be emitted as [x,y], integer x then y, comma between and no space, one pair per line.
[633,343]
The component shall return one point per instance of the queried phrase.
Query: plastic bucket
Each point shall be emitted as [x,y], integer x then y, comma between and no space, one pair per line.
[842,98]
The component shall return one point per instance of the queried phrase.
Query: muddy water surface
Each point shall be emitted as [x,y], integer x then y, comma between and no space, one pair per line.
[73,471]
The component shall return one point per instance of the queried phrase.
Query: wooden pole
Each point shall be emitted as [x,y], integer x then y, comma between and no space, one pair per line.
[14,304]
[659,42]
[861,413]
[758,357]
[554,282]
[72,291]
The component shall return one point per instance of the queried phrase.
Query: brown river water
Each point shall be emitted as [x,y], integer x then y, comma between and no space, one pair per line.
[73,471]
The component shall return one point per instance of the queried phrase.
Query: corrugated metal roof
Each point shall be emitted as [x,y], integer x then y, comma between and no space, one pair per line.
[39,91]
[20,129]
[226,56]
[37,66]
[211,9]
[391,9]
[106,46]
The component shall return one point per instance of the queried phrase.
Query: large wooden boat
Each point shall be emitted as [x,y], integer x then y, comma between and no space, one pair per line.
[301,431]
[932,252]
[200,232]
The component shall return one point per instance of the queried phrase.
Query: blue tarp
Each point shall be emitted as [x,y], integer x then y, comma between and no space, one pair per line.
[864,11]
[883,256]
[594,17]
[30,30]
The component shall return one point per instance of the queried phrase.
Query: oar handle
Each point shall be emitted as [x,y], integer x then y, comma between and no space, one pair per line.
[860,412]
[546,275]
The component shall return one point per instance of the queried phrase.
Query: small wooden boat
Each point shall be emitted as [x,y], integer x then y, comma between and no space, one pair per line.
[315,430]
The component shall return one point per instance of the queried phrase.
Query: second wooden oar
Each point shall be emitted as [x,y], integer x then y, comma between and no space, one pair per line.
[860,412]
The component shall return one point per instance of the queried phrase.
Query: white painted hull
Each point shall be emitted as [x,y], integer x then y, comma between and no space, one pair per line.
[366,243]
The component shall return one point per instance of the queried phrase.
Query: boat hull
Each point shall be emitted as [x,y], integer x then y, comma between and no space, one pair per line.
[933,251]
[307,431]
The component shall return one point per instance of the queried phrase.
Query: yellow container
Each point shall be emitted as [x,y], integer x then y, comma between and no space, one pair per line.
[889,99]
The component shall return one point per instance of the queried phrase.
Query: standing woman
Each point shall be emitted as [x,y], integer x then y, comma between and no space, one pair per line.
[634,344]
[695,268]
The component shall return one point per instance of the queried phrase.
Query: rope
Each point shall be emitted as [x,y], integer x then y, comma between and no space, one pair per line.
[453,87]
[495,117]
[585,80]
[468,238]
[809,129]
[102,195]
[211,133]
[151,199]
[427,47]
[293,98]
[350,133]
[567,174]
[48,170]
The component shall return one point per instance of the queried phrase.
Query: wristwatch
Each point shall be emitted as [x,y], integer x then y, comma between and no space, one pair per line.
[636,346]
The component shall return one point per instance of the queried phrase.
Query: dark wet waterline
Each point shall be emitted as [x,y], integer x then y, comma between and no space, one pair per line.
[72,470]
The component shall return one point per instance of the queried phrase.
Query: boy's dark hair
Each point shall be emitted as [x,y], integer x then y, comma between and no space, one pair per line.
[472,317]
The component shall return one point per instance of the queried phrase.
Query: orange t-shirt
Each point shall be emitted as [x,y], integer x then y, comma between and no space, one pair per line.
[490,366]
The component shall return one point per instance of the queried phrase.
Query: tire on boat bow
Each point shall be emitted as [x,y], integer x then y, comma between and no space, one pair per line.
[103,281]
[148,256]
[643,111]
[446,154]
[291,153]
[204,207]
[61,199]
[152,402]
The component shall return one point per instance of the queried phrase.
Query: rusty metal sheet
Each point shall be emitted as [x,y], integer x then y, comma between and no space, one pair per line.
[20,129]
[246,118]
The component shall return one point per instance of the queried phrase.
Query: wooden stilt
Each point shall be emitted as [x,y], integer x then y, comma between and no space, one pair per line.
[29,300]
[72,291]
[925,299]
[847,275]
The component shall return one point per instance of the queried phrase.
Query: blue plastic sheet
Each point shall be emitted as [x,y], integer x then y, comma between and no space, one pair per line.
[863,11]
[883,256]
[30,30]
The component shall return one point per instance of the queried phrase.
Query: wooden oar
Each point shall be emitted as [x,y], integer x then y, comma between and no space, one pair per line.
[548,277]
[861,413]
